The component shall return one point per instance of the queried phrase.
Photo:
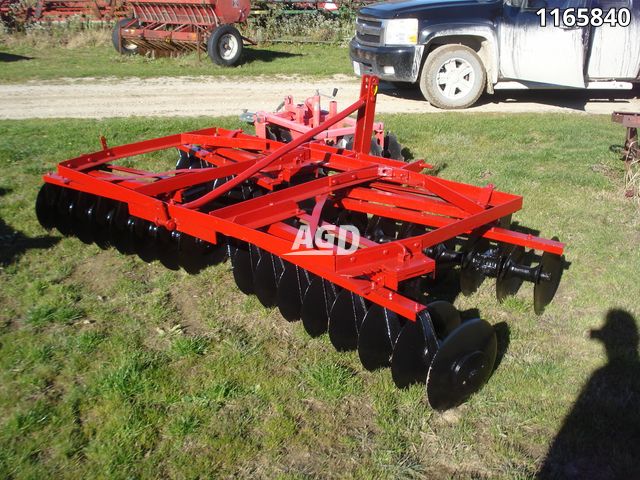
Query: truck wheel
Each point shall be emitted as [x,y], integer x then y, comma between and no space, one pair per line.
[453,76]
[124,47]
[225,45]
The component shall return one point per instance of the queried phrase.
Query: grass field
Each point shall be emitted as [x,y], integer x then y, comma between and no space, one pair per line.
[91,55]
[113,368]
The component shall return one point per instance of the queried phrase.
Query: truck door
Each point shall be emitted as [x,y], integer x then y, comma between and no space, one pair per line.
[532,53]
[615,50]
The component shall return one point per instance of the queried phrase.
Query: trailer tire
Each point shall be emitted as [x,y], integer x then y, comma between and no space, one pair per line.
[225,45]
[453,77]
[123,47]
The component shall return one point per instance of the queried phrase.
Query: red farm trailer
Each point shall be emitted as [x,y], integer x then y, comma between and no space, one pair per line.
[166,26]
[352,244]
[17,11]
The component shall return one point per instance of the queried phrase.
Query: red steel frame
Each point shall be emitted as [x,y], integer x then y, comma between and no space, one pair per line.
[300,118]
[360,183]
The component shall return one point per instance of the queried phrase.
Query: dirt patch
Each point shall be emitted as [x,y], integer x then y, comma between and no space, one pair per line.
[101,274]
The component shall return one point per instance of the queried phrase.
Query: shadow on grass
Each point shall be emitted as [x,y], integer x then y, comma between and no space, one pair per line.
[251,55]
[570,99]
[600,437]
[13,243]
[503,335]
[10,57]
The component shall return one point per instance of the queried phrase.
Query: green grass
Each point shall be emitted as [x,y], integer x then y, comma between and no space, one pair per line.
[49,60]
[110,367]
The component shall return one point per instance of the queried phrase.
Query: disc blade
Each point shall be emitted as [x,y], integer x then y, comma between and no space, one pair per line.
[169,248]
[216,253]
[243,265]
[444,316]
[145,238]
[81,221]
[191,255]
[545,290]
[266,277]
[392,148]
[46,205]
[356,219]
[381,229]
[346,316]
[64,210]
[101,233]
[378,334]
[292,286]
[119,236]
[471,278]
[413,351]
[507,284]
[462,365]
[316,306]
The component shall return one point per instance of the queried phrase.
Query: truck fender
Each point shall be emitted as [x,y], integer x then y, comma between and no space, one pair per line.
[481,37]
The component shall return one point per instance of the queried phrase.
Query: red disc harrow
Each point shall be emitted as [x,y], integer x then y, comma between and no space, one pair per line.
[350,243]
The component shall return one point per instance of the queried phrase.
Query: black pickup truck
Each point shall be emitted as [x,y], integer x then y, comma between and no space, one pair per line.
[455,50]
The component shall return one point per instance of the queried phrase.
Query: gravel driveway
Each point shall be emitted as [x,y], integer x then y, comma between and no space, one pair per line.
[194,96]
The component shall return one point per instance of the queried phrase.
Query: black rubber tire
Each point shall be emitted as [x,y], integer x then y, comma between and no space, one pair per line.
[435,61]
[215,45]
[122,47]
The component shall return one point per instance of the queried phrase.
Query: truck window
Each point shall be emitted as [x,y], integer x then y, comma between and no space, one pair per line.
[551,4]
[609,4]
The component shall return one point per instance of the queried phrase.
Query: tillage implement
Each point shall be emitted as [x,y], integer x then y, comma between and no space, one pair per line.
[349,243]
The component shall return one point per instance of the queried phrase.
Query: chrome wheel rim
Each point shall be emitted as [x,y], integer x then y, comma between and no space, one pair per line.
[228,46]
[455,78]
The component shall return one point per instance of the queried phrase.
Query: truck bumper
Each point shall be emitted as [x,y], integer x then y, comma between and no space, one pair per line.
[398,64]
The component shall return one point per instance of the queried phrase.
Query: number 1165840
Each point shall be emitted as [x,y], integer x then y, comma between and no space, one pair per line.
[583,17]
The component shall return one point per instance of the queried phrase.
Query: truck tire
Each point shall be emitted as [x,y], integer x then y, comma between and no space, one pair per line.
[123,47]
[452,77]
[225,45]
